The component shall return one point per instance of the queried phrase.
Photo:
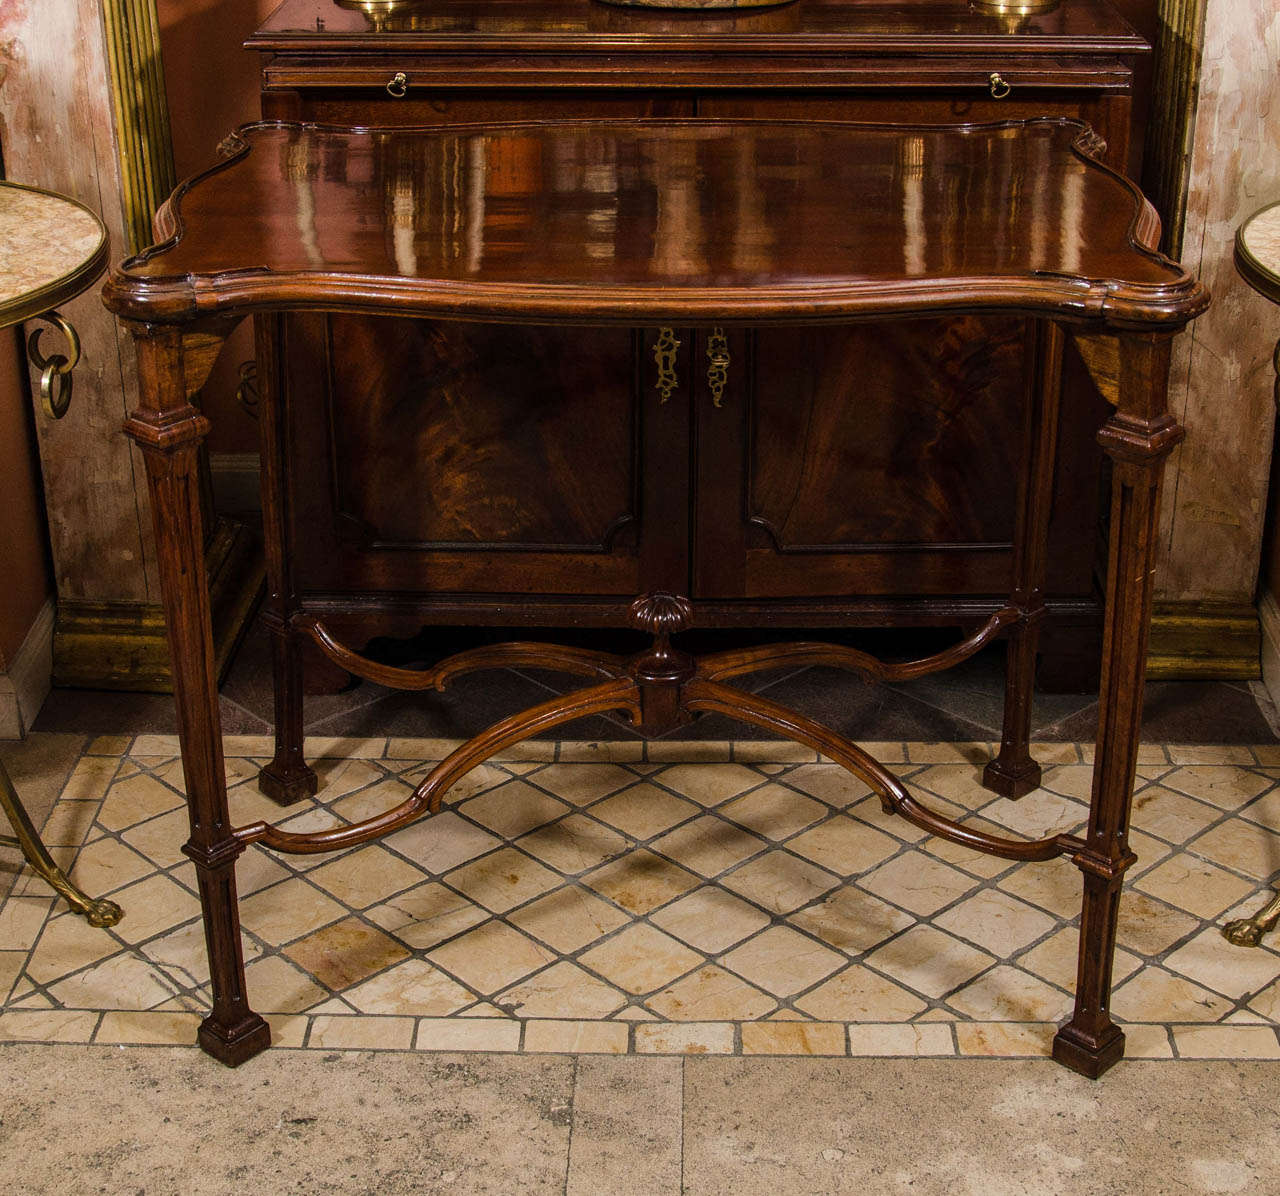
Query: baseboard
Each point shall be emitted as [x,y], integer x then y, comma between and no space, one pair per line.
[123,645]
[1269,617]
[26,685]
[1205,641]
[236,480]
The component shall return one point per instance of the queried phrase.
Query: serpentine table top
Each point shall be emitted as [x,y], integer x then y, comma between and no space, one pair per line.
[663,222]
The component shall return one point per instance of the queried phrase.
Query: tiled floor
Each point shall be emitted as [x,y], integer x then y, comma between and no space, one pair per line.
[707,897]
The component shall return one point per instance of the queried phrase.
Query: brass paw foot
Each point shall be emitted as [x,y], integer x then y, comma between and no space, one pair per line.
[1248,932]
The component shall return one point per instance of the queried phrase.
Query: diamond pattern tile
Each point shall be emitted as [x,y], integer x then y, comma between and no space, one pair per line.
[770,907]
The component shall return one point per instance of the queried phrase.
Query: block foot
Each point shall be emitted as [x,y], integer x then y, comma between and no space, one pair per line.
[236,1045]
[1085,1056]
[1011,780]
[285,785]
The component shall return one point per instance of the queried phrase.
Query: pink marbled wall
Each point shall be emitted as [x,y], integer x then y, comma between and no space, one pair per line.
[1222,382]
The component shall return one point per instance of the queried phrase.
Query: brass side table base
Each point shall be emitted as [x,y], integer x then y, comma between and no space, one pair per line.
[1248,932]
[97,911]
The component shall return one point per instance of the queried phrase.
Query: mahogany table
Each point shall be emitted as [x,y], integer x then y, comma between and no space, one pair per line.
[846,223]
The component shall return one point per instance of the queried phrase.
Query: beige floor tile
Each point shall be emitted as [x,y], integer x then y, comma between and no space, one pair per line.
[1265,811]
[513,808]
[997,921]
[124,982]
[918,882]
[860,995]
[1056,960]
[1170,815]
[706,1038]
[69,823]
[401,748]
[372,801]
[413,988]
[689,751]
[563,990]
[1008,994]
[1155,995]
[643,810]
[316,747]
[1225,787]
[782,961]
[870,811]
[1195,885]
[711,919]
[426,915]
[491,956]
[21,920]
[288,1031]
[897,1041]
[709,845]
[442,842]
[467,1034]
[772,751]
[1143,1041]
[641,959]
[774,811]
[960,783]
[568,918]
[1038,815]
[640,881]
[1005,1039]
[153,905]
[340,777]
[161,839]
[794,1038]
[780,882]
[109,745]
[1147,926]
[502,880]
[90,777]
[830,784]
[66,944]
[154,745]
[11,965]
[574,844]
[275,985]
[1045,752]
[365,876]
[1243,846]
[582,784]
[707,785]
[1071,780]
[362,1033]
[541,750]
[150,1028]
[851,920]
[255,870]
[182,955]
[105,865]
[1226,1042]
[481,779]
[968,858]
[344,953]
[615,751]
[935,753]
[711,994]
[1209,753]
[1267,1003]
[47,1025]
[287,911]
[1210,960]
[929,961]
[576,1037]
[844,846]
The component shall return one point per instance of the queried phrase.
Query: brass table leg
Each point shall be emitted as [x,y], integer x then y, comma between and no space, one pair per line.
[98,911]
[1248,932]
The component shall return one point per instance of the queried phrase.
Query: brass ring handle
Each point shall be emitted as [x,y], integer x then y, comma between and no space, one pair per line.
[718,370]
[998,85]
[398,85]
[55,370]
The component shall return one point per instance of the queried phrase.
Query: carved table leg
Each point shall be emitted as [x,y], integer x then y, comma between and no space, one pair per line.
[169,431]
[1138,438]
[287,778]
[1013,773]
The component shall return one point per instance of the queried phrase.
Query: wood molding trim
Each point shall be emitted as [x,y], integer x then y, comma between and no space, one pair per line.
[25,686]
[122,645]
[1205,641]
[1269,617]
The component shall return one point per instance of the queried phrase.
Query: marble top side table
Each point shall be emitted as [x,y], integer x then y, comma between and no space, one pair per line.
[1258,260]
[51,249]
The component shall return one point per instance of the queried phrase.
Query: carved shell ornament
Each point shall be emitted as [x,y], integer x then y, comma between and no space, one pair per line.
[661,614]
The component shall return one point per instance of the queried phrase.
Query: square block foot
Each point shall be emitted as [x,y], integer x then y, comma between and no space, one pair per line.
[1011,780]
[1088,1059]
[284,785]
[237,1045]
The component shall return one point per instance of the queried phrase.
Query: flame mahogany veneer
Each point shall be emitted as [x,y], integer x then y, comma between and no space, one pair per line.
[856,225]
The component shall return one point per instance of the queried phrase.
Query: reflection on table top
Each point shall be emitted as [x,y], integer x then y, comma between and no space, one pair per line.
[1258,251]
[51,249]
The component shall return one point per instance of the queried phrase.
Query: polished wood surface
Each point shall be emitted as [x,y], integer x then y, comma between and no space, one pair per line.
[1088,268]
[503,224]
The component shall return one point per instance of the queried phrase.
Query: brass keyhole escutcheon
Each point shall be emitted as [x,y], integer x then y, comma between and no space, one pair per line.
[398,85]
[999,86]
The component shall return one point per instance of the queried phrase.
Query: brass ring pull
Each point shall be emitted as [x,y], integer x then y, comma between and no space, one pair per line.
[398,85]
[55,370]
[998,85]
[718,370]
[665,349]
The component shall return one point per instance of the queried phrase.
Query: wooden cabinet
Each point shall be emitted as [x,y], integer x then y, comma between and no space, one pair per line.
[463,464]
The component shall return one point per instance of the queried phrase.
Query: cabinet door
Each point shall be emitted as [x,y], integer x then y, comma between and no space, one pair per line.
[869,460]
[451,458]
